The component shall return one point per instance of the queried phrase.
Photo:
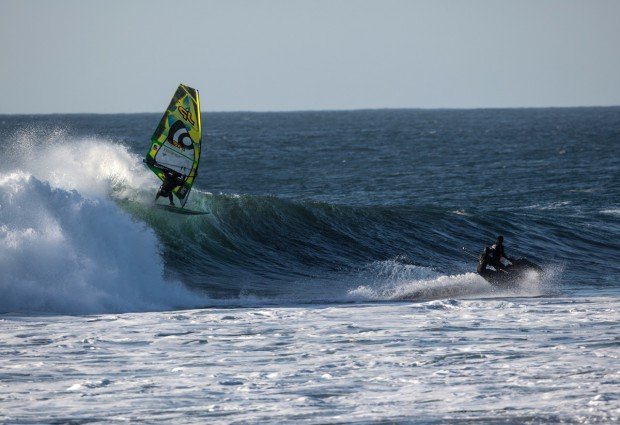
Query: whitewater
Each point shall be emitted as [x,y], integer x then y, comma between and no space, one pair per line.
[314,291]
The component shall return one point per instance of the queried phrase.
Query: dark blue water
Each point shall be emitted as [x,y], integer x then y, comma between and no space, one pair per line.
[305,202]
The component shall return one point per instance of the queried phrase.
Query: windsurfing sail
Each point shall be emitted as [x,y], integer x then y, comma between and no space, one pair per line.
[175,145]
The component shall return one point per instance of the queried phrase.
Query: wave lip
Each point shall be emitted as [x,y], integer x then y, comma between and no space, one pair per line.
[61,252]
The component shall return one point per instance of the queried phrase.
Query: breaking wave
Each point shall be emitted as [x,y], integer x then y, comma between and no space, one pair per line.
[64,253]
[78,235]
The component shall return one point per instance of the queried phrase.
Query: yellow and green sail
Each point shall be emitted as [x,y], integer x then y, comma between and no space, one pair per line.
[175,145]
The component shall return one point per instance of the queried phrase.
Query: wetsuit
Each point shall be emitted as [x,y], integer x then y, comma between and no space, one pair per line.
[484,260]
[497,253]
[171,181]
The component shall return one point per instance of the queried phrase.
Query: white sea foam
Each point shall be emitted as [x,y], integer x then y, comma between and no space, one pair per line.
[440,287]
[91,166]
[611,211]
[549,206]
[65,252]
[397,281]
[441,361]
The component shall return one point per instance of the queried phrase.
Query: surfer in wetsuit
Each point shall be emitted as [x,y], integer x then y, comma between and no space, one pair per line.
[171,181]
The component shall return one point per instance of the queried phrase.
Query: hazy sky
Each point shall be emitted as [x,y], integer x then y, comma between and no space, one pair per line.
[129,56]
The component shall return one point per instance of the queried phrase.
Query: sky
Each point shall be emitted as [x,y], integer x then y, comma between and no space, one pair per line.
[85,56]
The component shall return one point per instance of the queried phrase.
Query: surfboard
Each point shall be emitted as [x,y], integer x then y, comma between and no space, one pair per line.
[178,210]
[176,143]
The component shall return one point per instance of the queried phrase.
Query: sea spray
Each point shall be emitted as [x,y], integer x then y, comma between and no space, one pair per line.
[63,253]
[92,166]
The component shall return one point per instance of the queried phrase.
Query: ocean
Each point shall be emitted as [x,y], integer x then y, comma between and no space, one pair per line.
[333,280]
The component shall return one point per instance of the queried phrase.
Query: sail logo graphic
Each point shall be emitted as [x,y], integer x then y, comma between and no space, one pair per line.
[187,115]
[179,137]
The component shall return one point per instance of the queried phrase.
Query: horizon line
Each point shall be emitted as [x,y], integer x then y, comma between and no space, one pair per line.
[277,111]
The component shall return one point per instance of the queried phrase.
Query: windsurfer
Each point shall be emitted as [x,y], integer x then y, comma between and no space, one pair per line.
[171,181]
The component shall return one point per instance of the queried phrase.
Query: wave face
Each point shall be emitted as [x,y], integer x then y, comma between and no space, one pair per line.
[305,208]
